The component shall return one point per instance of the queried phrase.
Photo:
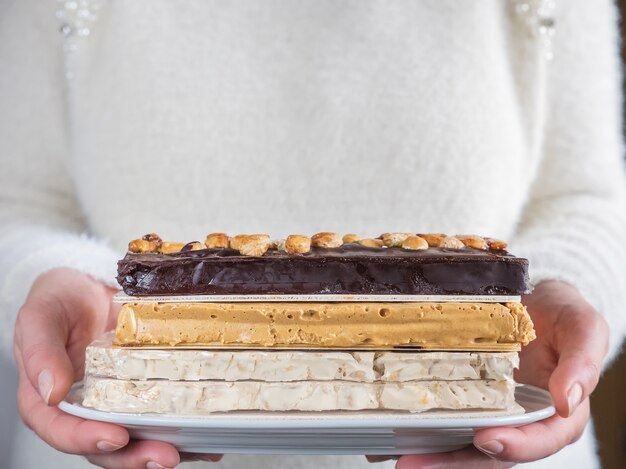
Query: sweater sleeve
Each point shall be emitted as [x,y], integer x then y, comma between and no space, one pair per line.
[40,220]
[574,224]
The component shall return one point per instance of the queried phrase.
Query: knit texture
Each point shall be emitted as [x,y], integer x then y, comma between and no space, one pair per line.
[284,116]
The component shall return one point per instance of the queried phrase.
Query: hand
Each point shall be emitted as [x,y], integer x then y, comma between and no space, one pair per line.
[566,358]
[64,311]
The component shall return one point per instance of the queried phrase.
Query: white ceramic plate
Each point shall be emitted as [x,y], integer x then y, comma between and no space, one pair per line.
[370,432]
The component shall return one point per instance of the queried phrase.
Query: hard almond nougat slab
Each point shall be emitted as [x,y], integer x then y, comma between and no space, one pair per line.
[238,365]
[444,326]
[185,398]
[247,264]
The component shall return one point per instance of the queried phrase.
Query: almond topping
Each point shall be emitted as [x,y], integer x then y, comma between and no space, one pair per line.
[414,243]
[141,245]
[216,240]
[297,244]
[326,240]
[193,246]
[236,241]
[253,245]
[350,238]
[451,242]
[433,239]
[371,243]
[169,248]
[496,244]
[153,237]
[473,241]
[394,239]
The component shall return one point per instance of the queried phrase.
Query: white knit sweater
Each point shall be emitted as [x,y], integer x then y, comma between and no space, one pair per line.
[124,117]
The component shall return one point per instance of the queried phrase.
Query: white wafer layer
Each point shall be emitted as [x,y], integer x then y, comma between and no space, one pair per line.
[328,298]
[232,365]
[205,397]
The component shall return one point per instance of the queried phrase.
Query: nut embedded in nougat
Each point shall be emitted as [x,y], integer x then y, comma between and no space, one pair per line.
[216,240]
[326,239]
[297,244]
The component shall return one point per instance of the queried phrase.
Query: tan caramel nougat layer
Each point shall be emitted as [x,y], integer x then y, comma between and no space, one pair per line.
[454,326]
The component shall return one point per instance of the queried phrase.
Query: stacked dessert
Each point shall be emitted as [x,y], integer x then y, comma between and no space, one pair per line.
[401,322]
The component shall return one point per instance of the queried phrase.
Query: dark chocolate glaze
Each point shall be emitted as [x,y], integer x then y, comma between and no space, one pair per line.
[351,269]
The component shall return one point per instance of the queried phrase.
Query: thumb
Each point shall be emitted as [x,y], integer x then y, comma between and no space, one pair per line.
[582,340]
[41,335]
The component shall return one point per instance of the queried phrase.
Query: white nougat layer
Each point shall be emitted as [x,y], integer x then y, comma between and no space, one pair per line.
[186,398]
[284,366]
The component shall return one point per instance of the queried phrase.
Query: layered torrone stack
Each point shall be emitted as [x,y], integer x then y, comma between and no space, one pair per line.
[401,322]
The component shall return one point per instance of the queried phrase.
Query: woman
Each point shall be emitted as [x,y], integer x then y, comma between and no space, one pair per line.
[119,118]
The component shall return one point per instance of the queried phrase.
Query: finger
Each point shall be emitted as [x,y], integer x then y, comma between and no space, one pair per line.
[534,441]
[41,335]
[66,432]
[139,455]
[467,458]
[582,340]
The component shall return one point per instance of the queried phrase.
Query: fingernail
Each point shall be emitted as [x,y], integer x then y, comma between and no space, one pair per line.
[211,457]
[108,446]
[491,447]
[45,383]
[574,396]
[155,465]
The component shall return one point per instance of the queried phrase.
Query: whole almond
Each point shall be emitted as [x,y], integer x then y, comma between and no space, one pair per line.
[496,244]
[326,239]
[350,238]
[142,245]
[254,245]
[473,241]
[371,243]
[236,241]
[153,237]
[415,243]
[169,247]
[297,244]
[394,239]
[451,242]
[433,239]
[216,240]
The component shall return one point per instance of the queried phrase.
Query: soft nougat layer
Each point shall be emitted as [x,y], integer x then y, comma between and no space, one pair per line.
[454,326]
[195,365]
[205,397]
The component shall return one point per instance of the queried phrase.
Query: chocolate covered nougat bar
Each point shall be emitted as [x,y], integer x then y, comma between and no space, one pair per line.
[394,264]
